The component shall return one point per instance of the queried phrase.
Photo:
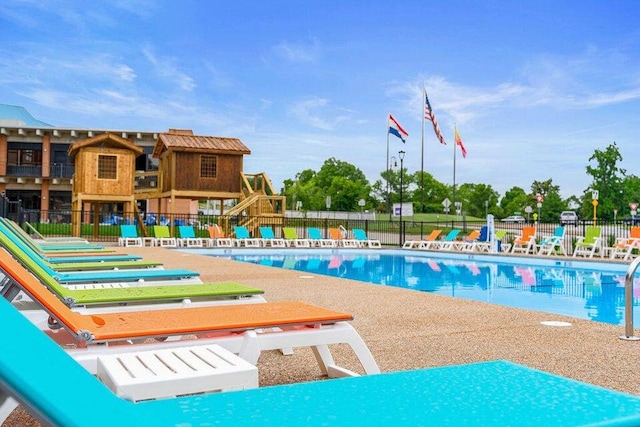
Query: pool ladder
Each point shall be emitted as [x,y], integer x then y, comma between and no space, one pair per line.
[628,302]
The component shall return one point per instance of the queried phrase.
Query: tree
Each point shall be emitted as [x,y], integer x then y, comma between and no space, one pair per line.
[515,201]
[552,203]
[607,180]
[477,198]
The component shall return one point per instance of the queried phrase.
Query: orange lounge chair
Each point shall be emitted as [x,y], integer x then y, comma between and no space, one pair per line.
[217,238]
[246,330]
[423,244]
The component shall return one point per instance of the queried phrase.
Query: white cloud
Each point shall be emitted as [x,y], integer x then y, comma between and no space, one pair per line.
[298,52]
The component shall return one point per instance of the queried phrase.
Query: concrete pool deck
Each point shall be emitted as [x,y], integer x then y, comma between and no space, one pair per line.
[406,329]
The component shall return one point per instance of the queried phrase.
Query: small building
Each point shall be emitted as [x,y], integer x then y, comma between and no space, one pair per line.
[104,173]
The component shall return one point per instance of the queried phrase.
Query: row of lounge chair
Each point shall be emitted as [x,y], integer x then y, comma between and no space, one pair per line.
[106,314]
[336,237]
[475,241]
[102,382]
[528,243]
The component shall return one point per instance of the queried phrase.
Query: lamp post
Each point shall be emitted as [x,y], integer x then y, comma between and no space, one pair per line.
[393,163]
[401,155]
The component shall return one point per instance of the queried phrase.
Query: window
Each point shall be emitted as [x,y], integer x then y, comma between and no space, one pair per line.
[107,167]
[24,157]
[208,166]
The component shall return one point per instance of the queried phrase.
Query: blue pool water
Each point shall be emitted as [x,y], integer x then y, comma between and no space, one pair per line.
[585,290]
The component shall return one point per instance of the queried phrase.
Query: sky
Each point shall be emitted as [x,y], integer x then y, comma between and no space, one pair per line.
[533,88]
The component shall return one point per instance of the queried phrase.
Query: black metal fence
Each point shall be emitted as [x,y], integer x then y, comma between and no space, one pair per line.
[390,232]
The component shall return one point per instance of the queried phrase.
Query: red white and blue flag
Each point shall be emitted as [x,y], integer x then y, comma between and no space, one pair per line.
[396,129]
[428,114]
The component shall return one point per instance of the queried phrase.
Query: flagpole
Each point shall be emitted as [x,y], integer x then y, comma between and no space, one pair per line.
[454,174]
[424,100]
[388,195]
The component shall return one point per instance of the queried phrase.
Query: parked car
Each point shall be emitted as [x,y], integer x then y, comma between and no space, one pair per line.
[514,218]
[569,217]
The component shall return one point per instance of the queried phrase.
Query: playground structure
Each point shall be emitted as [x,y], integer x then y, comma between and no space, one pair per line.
[191,168]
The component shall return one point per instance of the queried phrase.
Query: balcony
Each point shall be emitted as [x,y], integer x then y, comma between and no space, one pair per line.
[24,170]
[61,170]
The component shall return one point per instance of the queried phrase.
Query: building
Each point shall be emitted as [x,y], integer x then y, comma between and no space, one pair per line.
[35,166]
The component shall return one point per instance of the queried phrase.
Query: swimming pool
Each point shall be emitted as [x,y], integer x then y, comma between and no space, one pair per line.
[581,289]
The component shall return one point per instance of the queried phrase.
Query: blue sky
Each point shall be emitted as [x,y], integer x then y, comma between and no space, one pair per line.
[533,87]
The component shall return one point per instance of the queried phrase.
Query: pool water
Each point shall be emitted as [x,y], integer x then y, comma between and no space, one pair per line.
[585,290]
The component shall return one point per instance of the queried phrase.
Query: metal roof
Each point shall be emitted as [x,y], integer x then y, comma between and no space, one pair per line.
[186,142]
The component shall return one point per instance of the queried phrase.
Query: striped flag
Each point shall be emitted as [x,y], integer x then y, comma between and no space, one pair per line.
[396,129]
[460,144]
[428,114]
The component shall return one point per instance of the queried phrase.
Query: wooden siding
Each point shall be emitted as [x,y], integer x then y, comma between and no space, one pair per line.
[86,179]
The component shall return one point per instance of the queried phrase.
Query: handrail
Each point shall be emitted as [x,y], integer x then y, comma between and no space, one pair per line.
[628,301]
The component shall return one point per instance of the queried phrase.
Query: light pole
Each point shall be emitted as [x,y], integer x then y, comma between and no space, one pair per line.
[393,163]
[401,155]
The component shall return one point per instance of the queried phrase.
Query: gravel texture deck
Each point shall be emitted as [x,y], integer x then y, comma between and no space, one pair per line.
[407,329]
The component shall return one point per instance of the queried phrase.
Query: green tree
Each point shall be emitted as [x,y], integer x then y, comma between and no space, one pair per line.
[607,179]
[515,200]
[552,203]
[477,199]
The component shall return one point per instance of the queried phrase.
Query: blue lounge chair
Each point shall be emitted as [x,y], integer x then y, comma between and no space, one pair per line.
[363,240]
[243,238]
[550,244]
[53,391]
[188,237]
[317,240]
[268,238]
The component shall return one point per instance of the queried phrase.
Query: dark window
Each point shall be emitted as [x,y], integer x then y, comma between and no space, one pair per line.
[107,167]
[208,166]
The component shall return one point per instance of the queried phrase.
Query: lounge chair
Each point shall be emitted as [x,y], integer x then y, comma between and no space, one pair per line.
[243,238]
[481,243]
[79,295]
[526,242]
[291,237]
[217,238]
[590,243]
[364,241]
[623,247]
[339,235]
[64,239]
[129,236]
[553,244]
[7,237]
[268,238]
[54,396]
[449,243]
[188,237]
[317,240]
[422,244]
[244,329]
[163,238]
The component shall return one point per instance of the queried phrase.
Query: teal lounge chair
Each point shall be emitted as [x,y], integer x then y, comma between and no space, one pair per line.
[450,241]
[129,236]
[52,387]
[188,237]
[363,240]
[268,238]
[103,276]
[243,238]
[317,240]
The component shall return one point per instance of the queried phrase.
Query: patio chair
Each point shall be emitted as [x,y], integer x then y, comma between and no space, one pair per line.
[53,396]
[363,240]
[624,247]
[553,244]
[243,238]
[587,245]
[188,237]
[481,243]
[291,238]
[217,238]
[129,236]
[526,242]
[268,238]
[422,244]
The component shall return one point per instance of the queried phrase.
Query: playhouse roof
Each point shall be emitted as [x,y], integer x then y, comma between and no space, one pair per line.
[108,140]
[184,140]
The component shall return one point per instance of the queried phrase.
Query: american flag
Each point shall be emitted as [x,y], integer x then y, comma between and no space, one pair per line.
[428,114]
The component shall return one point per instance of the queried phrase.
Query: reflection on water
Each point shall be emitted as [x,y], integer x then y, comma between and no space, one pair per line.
[580,293]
